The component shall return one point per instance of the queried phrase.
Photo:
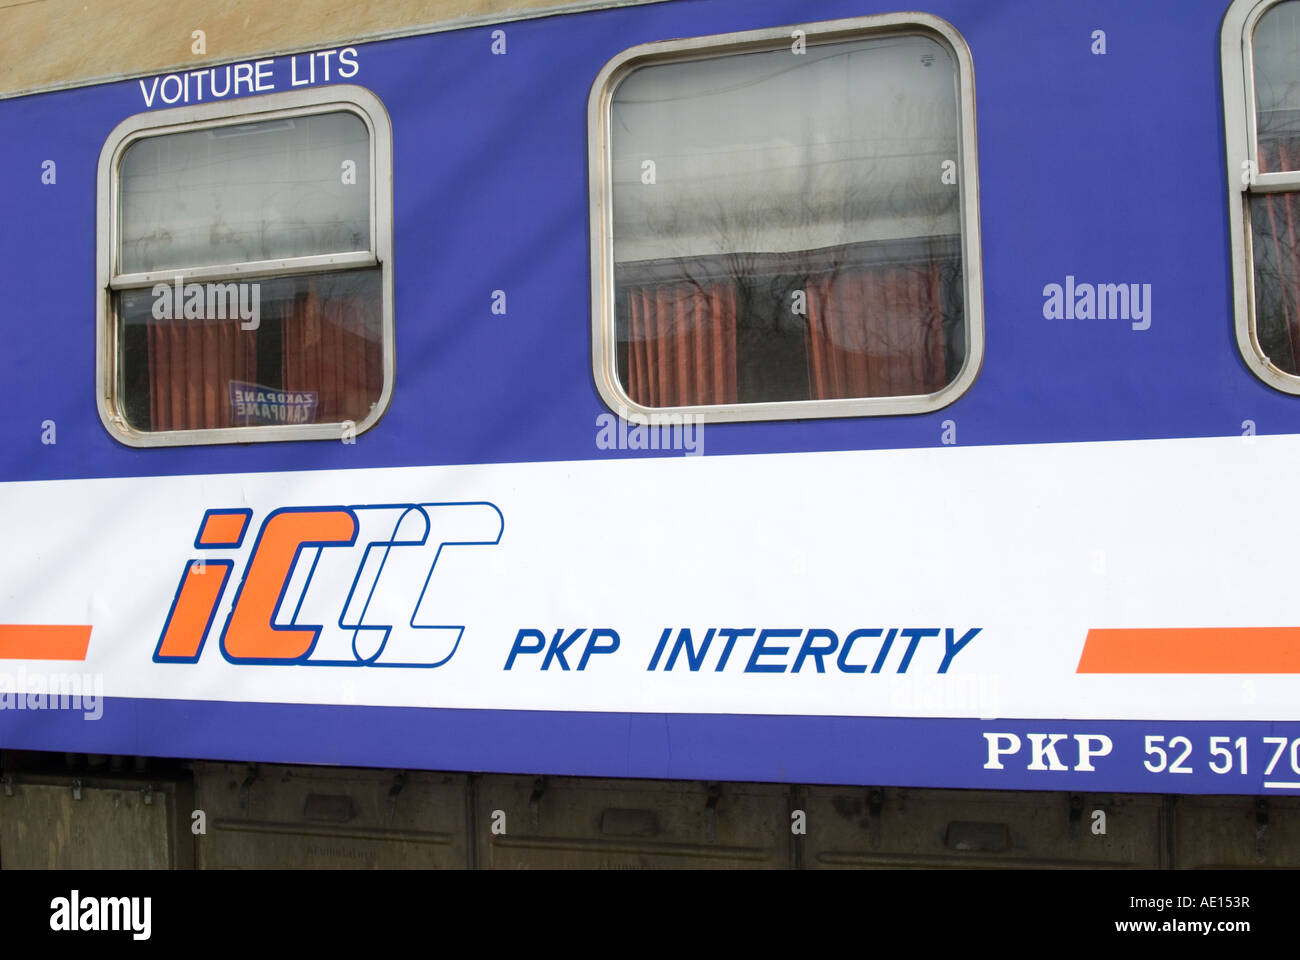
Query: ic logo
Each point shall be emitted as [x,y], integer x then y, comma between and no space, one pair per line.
[377,560]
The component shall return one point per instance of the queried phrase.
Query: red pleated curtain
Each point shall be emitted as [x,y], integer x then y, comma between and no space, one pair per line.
[876,332]
[682,343]
[324,350]
[872,330]
[191,363]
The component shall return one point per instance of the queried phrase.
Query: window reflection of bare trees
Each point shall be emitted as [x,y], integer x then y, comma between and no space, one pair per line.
[1275,225]
[847,280]
[1275,218]
[1277,85]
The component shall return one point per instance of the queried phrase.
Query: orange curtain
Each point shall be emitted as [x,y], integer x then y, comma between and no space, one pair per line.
[191,363]
[326,351]
[876,332]
[871,330]
[682,343]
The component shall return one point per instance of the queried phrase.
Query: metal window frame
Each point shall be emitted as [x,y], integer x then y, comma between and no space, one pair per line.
[1237,63]
[271,106]
[600,186]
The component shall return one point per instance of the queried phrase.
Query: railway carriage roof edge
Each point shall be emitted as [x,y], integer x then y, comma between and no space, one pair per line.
[325,39]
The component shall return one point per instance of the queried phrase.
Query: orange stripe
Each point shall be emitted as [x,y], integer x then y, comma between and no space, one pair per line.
[1192,650]
[38,641]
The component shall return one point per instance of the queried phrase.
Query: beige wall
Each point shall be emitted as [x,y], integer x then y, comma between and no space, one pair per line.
[53,43]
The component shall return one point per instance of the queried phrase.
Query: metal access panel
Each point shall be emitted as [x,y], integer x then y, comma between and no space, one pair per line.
[532,822]
[848,827]
[1218,832]
[92,823]
[329,817]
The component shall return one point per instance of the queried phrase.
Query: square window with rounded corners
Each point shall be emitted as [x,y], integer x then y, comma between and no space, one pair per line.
[785,223]
[245,270]
[1260,54]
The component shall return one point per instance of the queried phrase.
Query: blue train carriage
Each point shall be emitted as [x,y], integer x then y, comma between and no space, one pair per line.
[669,390]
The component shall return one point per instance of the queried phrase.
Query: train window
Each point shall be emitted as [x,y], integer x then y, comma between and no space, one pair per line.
[1261,81]
[245,270]
[785,223]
